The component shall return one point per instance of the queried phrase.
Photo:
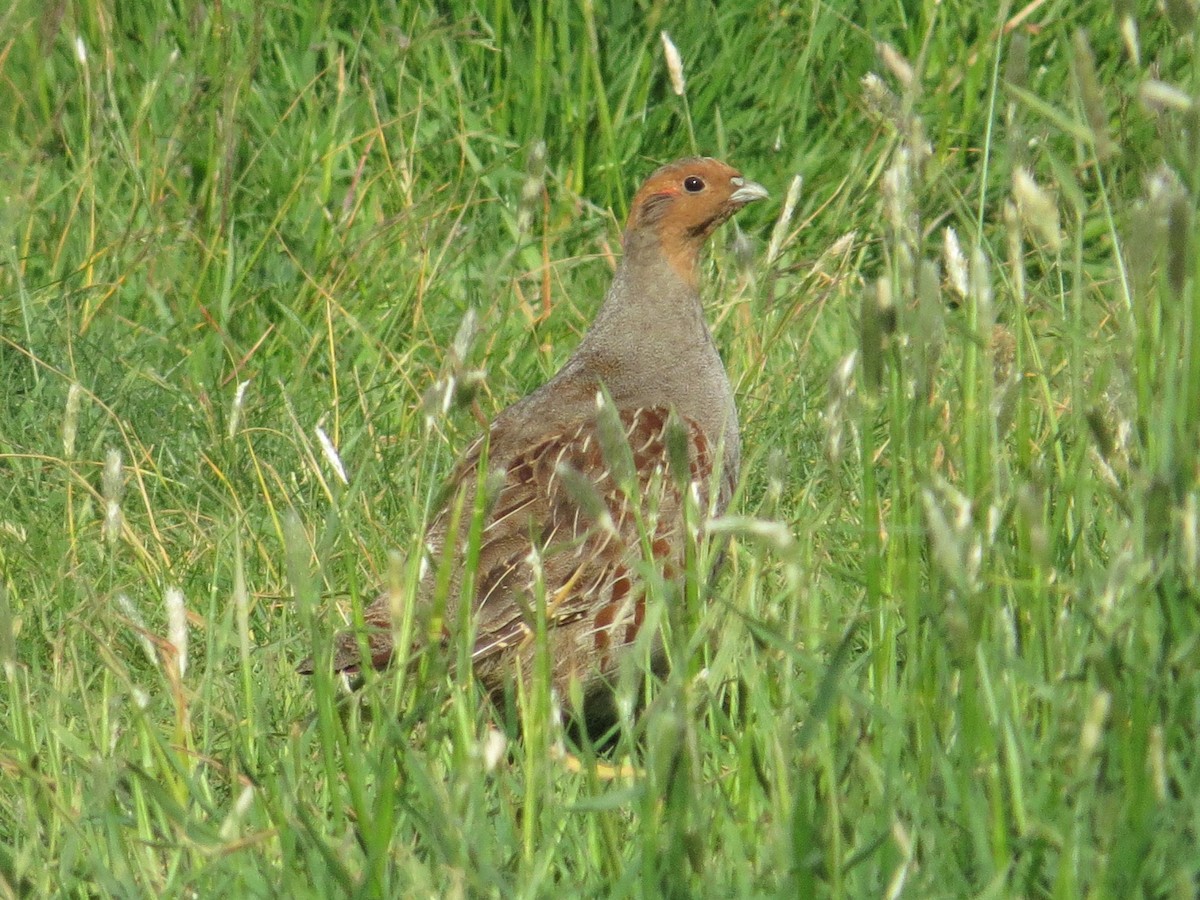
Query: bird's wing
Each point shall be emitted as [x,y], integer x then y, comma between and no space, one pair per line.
[578,512]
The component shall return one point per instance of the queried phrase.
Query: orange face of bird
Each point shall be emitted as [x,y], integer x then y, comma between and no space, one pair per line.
[683,203]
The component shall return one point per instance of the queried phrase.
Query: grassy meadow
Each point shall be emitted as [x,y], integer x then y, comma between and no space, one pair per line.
[265,268]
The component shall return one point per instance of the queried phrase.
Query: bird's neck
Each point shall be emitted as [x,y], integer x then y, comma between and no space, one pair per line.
[650,345]
[649,311]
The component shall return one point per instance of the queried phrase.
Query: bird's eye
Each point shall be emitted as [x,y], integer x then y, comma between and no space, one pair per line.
[693,184]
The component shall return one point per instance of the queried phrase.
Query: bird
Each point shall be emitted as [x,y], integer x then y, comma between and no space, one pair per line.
[587,479]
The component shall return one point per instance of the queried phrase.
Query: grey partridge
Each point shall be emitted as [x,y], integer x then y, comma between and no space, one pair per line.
[561,523]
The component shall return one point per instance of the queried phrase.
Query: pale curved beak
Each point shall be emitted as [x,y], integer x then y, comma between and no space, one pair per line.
[747,191]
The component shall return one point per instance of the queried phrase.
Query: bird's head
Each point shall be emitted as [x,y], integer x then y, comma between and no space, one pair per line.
[683,203]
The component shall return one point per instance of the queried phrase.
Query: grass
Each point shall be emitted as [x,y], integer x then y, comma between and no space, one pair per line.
[248,247]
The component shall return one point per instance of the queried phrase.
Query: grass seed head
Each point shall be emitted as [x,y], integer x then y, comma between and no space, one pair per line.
[841,406]
[1038,209]
[1016,254]
[930,315]
[532,187]
[239,405]
[1180,241]
[71,419]
[674,65]
[981,292]
[1159,96]
[895,63]
[956,265]
[882,105]
[331,455]
[177,628]
[1128,26]
[1093,726]
[783,223]
[112,487]
[140,630]
[1083,64]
